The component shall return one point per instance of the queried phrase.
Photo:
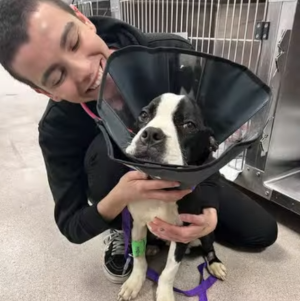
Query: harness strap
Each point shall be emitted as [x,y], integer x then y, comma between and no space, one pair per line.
[89,112]
[199,290]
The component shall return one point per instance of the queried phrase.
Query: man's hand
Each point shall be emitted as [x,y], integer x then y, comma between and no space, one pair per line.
[201,225]
[135,186]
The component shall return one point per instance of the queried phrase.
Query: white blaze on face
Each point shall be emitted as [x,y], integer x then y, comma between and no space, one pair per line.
[163,120]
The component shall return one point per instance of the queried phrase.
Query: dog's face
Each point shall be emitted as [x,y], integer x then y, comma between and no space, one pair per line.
[171,130]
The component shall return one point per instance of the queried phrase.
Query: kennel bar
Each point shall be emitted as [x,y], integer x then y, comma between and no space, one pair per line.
[248,32]
[221,27]
[94,7]
[252,33]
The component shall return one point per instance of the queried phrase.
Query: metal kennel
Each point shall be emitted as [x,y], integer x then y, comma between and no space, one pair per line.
[263,35]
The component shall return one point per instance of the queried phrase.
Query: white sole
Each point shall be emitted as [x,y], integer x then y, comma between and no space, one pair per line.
[114,278]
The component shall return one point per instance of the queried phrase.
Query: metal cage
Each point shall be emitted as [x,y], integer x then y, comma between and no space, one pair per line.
[220,27]
[94,7]
[224,28]
[259,34]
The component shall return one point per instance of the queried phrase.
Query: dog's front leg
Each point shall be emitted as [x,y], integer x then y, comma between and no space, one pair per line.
[215,266]
[134,283]
[166,280]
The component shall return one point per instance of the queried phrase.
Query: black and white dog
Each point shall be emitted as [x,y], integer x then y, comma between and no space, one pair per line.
[171,131]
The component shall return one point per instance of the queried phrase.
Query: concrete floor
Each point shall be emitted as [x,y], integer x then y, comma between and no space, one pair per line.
[37,263]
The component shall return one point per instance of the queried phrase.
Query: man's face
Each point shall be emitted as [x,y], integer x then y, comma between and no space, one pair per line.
[64,55]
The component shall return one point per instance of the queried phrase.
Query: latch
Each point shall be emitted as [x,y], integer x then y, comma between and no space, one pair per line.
[262,30]
[282,48]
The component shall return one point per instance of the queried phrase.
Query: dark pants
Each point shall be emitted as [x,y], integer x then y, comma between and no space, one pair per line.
[242,223]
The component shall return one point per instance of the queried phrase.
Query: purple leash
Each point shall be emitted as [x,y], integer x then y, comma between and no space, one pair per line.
[199,290]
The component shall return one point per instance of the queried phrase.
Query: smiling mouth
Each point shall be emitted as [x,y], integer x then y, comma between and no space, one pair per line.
[98,78]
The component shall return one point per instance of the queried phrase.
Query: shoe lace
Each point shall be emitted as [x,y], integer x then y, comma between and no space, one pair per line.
[116,239]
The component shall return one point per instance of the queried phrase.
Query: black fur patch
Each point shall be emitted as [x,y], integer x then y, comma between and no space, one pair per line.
[195,139]
[180,251]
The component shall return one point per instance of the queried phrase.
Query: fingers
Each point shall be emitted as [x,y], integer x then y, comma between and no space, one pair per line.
[142,188]
[159,184]
[135,175]
[176,233]
[198,220]
[167,196]
[149,184]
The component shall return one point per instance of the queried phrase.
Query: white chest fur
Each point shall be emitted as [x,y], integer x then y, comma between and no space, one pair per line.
[145,211]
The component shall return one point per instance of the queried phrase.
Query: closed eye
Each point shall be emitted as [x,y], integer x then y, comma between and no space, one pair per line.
[58,81]
[75,45]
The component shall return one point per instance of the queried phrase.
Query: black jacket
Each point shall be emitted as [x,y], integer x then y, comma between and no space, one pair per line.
[66,131]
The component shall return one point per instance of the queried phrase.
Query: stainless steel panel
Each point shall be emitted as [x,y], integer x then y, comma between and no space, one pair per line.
[281,16]
[283,164]
[224,28]
[252,179]
[287,184]
[286,202]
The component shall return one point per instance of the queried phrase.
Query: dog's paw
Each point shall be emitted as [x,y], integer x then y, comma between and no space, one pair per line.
[218,270]
[165,293]
[131,288]
[152,250]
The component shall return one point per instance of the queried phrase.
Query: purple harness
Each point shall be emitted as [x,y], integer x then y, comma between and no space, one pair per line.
[199,290]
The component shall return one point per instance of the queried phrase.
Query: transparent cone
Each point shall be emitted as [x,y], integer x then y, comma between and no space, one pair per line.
[233,101]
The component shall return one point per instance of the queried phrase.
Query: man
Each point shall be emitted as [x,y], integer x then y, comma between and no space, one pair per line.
[45,45]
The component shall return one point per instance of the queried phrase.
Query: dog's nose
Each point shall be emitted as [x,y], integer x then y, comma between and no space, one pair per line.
[152,135]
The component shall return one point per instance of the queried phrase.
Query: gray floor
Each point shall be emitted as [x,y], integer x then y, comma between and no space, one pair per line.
[37,263]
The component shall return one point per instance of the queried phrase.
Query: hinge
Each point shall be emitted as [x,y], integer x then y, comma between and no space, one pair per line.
[262,30]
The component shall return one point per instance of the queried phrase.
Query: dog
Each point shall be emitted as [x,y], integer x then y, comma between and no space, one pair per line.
[171,130]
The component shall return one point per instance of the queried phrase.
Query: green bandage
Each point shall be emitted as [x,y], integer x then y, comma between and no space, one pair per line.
[139,247]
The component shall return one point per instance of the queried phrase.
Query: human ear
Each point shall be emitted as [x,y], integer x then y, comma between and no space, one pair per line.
[54,98]
[83,18]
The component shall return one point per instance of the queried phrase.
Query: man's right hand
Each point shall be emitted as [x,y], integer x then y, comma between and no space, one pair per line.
[135,186]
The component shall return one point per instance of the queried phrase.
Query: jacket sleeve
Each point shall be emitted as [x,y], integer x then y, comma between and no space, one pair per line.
[63,149]
[210,192]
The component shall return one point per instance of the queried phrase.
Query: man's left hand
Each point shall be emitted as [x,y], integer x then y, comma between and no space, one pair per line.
[200,225]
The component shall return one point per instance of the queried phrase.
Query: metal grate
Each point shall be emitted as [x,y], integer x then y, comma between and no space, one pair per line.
[94,7]
[221,27]
[224,28]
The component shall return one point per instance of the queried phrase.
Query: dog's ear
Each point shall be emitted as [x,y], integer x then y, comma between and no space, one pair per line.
[200,147]
[214,145]
[136,126]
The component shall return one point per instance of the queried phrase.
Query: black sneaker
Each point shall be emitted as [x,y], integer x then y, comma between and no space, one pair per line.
[116,268]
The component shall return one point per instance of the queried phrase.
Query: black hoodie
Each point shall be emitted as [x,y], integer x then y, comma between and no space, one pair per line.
[66,132]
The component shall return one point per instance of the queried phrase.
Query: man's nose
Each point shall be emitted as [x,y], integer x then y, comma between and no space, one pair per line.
[82,71]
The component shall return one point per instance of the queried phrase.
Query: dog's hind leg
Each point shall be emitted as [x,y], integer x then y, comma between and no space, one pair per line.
[166,280]
[215,266]
[134,283]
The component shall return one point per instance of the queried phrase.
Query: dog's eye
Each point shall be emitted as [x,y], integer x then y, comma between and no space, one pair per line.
[189,125]
[143,116]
